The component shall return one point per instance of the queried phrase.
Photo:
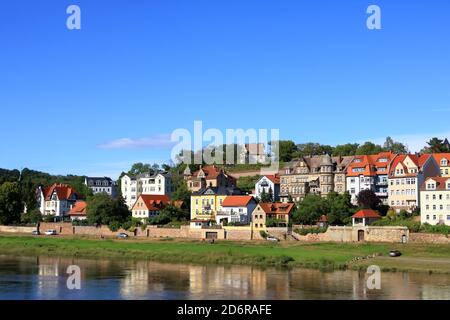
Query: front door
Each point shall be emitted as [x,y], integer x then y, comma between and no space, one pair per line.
[360,235]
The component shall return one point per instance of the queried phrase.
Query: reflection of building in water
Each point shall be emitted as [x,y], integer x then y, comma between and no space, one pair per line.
[48,279]
[135,284]
[436,292]
[210,282]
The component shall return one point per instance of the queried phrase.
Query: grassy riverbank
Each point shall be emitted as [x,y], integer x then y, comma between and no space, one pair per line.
[311,255]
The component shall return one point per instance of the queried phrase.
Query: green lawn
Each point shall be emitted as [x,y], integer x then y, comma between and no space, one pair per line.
[317,255]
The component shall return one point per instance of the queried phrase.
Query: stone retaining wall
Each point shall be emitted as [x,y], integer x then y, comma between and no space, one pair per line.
[428,238]
[12,229]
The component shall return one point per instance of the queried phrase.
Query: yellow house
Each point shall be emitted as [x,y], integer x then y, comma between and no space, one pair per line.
[206,202]
[443,160]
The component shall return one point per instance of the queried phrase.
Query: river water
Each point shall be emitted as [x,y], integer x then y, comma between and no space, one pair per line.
[46,278]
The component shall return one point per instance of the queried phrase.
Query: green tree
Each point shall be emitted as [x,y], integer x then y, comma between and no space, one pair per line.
[102,209]
[369,148]
[394,146]
[436,145]
[286,150]
[33,216]
[182,193]
[266,197]
[11,205]
[340,208]
[312,149]
[367,199]
[348,149]
[309,210]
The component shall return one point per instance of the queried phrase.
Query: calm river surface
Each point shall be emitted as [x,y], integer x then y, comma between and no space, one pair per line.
[45,278]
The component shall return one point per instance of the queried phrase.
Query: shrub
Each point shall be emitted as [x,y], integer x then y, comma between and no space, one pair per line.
[49,218]
[114,226]
[305,231]
[263,234]
[440,228]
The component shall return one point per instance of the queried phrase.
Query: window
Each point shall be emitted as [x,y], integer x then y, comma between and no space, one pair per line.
[428,217]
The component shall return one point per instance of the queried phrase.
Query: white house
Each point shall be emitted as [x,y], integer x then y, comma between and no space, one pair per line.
[236,209]
[56,200]
[158,183]
[101,185]
[435,201]
[267,184]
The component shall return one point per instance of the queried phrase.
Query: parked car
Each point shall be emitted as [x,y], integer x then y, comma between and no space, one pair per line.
[395,253]
[270,238]
[122,235]
[50,232]
[35,233]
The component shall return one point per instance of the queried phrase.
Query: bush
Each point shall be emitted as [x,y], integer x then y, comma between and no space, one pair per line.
[263,234]
[114,226]
[440,228]
[305,231]
[49,218]
[33,216]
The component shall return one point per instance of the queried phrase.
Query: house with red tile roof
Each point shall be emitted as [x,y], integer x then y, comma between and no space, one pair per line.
[56,200]
[149,206]
[435,201]
[271,214]
[407,172]
[208,176]
[369,172]
[365,217]
[269,184]
[443,160]
[236,209]
[78,211]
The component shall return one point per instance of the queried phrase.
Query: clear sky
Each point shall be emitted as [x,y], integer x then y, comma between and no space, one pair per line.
[95,100]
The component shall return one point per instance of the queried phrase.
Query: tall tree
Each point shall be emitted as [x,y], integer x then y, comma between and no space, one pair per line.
[369,148]
[394,146]
[367,199]
[102,209]
[348,149]
[11,205]
[436,145]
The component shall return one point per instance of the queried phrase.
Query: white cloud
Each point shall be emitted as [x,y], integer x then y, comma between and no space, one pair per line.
[157,141]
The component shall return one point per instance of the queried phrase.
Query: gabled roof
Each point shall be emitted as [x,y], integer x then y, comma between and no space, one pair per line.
[237,201]
[219,191]
[277,208]
[439,156]
[153,202]
[418,159]
[366,213]
[63,191]
[211,172]
[372,165]
[275,178]
[441,183]
[78,209]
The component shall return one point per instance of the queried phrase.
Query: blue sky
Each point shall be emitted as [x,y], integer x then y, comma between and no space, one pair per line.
[95,100]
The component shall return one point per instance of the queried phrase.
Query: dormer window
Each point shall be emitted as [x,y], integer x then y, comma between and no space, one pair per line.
[357,160]
[431,186]
[444,162]
[383,160]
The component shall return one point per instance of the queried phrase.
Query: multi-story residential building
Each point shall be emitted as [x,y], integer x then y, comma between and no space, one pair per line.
[236,209]
[56,200]
[269,184]
[435,201]
[148,206]
[207,202]
[313,175]
[279,213]
[369,172]
[443,160]
[152,183]
[101,185]
[208,176]
[407,172]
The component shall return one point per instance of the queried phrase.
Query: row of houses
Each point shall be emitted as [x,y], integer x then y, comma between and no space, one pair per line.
[406,181]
